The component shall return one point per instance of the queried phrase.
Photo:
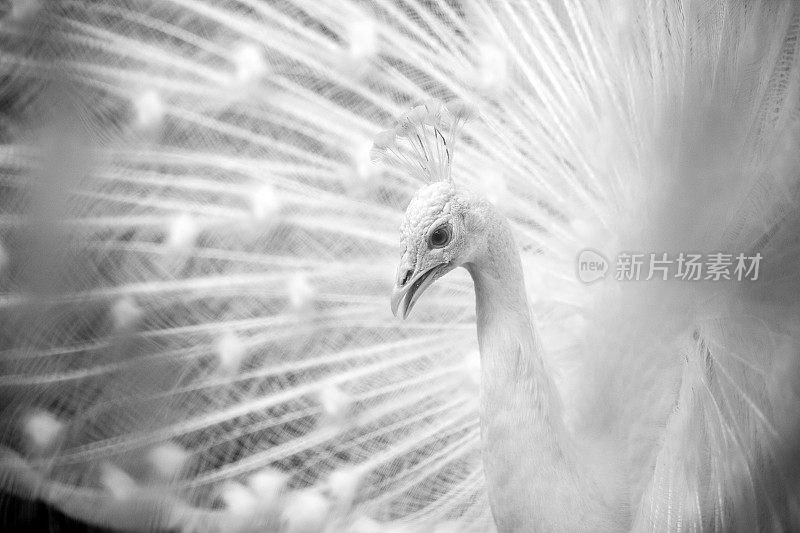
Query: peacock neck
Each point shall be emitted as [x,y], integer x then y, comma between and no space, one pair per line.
[511,362]
[534,480]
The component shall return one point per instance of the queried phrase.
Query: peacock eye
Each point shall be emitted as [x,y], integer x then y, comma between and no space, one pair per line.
[440,237]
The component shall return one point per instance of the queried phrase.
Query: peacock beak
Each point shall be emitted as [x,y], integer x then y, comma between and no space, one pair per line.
[410,286]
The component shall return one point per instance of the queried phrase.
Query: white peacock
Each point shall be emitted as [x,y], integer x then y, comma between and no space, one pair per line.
[197,254]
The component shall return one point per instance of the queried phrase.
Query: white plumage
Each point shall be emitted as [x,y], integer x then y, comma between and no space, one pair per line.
[196,255]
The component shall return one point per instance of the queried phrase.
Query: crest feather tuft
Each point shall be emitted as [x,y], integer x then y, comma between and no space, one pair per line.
[423,140]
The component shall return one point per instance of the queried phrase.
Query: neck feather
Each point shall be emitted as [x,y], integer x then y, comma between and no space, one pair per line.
[532,470]
[510,356]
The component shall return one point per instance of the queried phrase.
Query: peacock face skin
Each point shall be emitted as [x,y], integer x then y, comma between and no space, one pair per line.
[433,235]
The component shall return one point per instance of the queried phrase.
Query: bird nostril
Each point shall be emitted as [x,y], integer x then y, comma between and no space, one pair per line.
[406,277]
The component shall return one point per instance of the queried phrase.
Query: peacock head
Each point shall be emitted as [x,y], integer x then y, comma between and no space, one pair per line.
[436,225]
[442,230]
